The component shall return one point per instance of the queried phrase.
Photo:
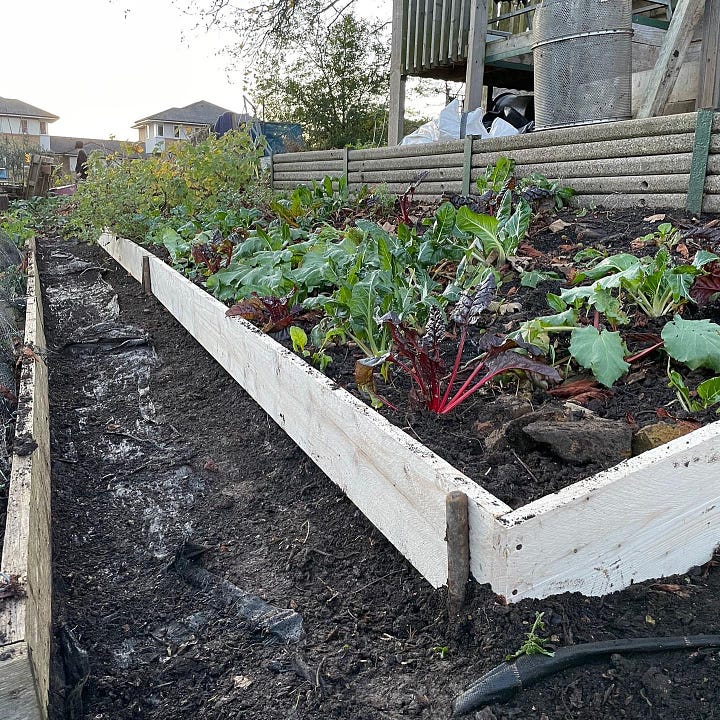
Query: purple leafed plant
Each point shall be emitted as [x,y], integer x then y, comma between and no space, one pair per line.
[272,314]
[419,355]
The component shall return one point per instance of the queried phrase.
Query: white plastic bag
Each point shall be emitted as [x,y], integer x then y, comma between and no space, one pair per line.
[449,122]
[474,124]
[447,126]
[502,128]
[427,133]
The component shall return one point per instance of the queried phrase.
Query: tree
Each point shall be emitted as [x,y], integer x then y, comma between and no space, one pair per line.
[276,23]
[336,89]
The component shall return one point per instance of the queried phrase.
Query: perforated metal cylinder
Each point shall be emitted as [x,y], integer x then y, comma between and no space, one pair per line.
[582,55]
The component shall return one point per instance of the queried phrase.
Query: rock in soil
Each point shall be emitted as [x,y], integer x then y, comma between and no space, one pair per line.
[652,436]
[588,440]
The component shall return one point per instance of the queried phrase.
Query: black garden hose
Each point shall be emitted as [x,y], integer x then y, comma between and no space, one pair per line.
[503,681]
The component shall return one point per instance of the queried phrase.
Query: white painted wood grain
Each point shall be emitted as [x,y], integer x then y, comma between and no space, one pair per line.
[395,481]
[18,700]
[654,515]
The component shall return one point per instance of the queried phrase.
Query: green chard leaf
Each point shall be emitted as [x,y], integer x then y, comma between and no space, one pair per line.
[483,226]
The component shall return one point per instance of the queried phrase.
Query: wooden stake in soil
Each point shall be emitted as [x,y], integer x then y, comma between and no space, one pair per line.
[458,549]
[146,282]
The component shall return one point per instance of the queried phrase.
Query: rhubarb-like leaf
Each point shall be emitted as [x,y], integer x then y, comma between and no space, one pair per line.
[693,342]
[601,351]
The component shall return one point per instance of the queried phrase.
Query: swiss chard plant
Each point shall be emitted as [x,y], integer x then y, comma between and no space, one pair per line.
[496,237]
[272,314]
[420,356]
[500,178]
[655,285]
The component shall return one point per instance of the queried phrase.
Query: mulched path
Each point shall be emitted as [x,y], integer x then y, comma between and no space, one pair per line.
[154,445]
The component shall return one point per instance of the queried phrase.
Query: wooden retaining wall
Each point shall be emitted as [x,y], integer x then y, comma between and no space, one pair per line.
[621,164]
[654,515]
[25,617]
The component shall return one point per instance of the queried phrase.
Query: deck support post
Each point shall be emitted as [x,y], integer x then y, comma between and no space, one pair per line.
[396,115]
[476,55]
[709,80]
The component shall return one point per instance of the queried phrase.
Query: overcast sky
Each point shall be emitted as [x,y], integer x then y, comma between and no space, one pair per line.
[103,64]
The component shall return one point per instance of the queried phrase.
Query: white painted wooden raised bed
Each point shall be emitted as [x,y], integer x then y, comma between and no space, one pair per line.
[650,516]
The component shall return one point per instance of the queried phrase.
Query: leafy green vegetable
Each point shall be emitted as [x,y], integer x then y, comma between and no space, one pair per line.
[696,343]
[497,236]
[654,284]
[533,278]
[601,351]
[709,391]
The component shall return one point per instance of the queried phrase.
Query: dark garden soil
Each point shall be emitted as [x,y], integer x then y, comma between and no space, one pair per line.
[514,468]
[154,445]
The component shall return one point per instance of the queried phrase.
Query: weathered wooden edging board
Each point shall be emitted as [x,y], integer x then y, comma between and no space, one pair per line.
[650,516]
[25,618]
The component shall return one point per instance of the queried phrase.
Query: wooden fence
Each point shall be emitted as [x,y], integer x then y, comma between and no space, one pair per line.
[671,161]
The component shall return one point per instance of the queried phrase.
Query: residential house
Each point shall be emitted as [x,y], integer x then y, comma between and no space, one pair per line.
[21,121]
[64,149]
[168,126]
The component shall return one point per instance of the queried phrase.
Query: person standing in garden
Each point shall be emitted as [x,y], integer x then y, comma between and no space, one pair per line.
[81,169]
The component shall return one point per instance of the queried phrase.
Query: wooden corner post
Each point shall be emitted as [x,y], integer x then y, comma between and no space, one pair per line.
[672,54]
[458,549]
[146,280]
[709,80]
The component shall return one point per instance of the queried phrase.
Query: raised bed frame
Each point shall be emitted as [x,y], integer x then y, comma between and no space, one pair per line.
[25,618]
[650,516]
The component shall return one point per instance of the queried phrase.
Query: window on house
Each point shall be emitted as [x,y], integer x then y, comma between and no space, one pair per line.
[160,130]
[43,127]
[23,126]
[176,131]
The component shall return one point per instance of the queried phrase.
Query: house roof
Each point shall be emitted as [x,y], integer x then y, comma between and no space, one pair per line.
[66,145]
[18,108]
[198,113]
